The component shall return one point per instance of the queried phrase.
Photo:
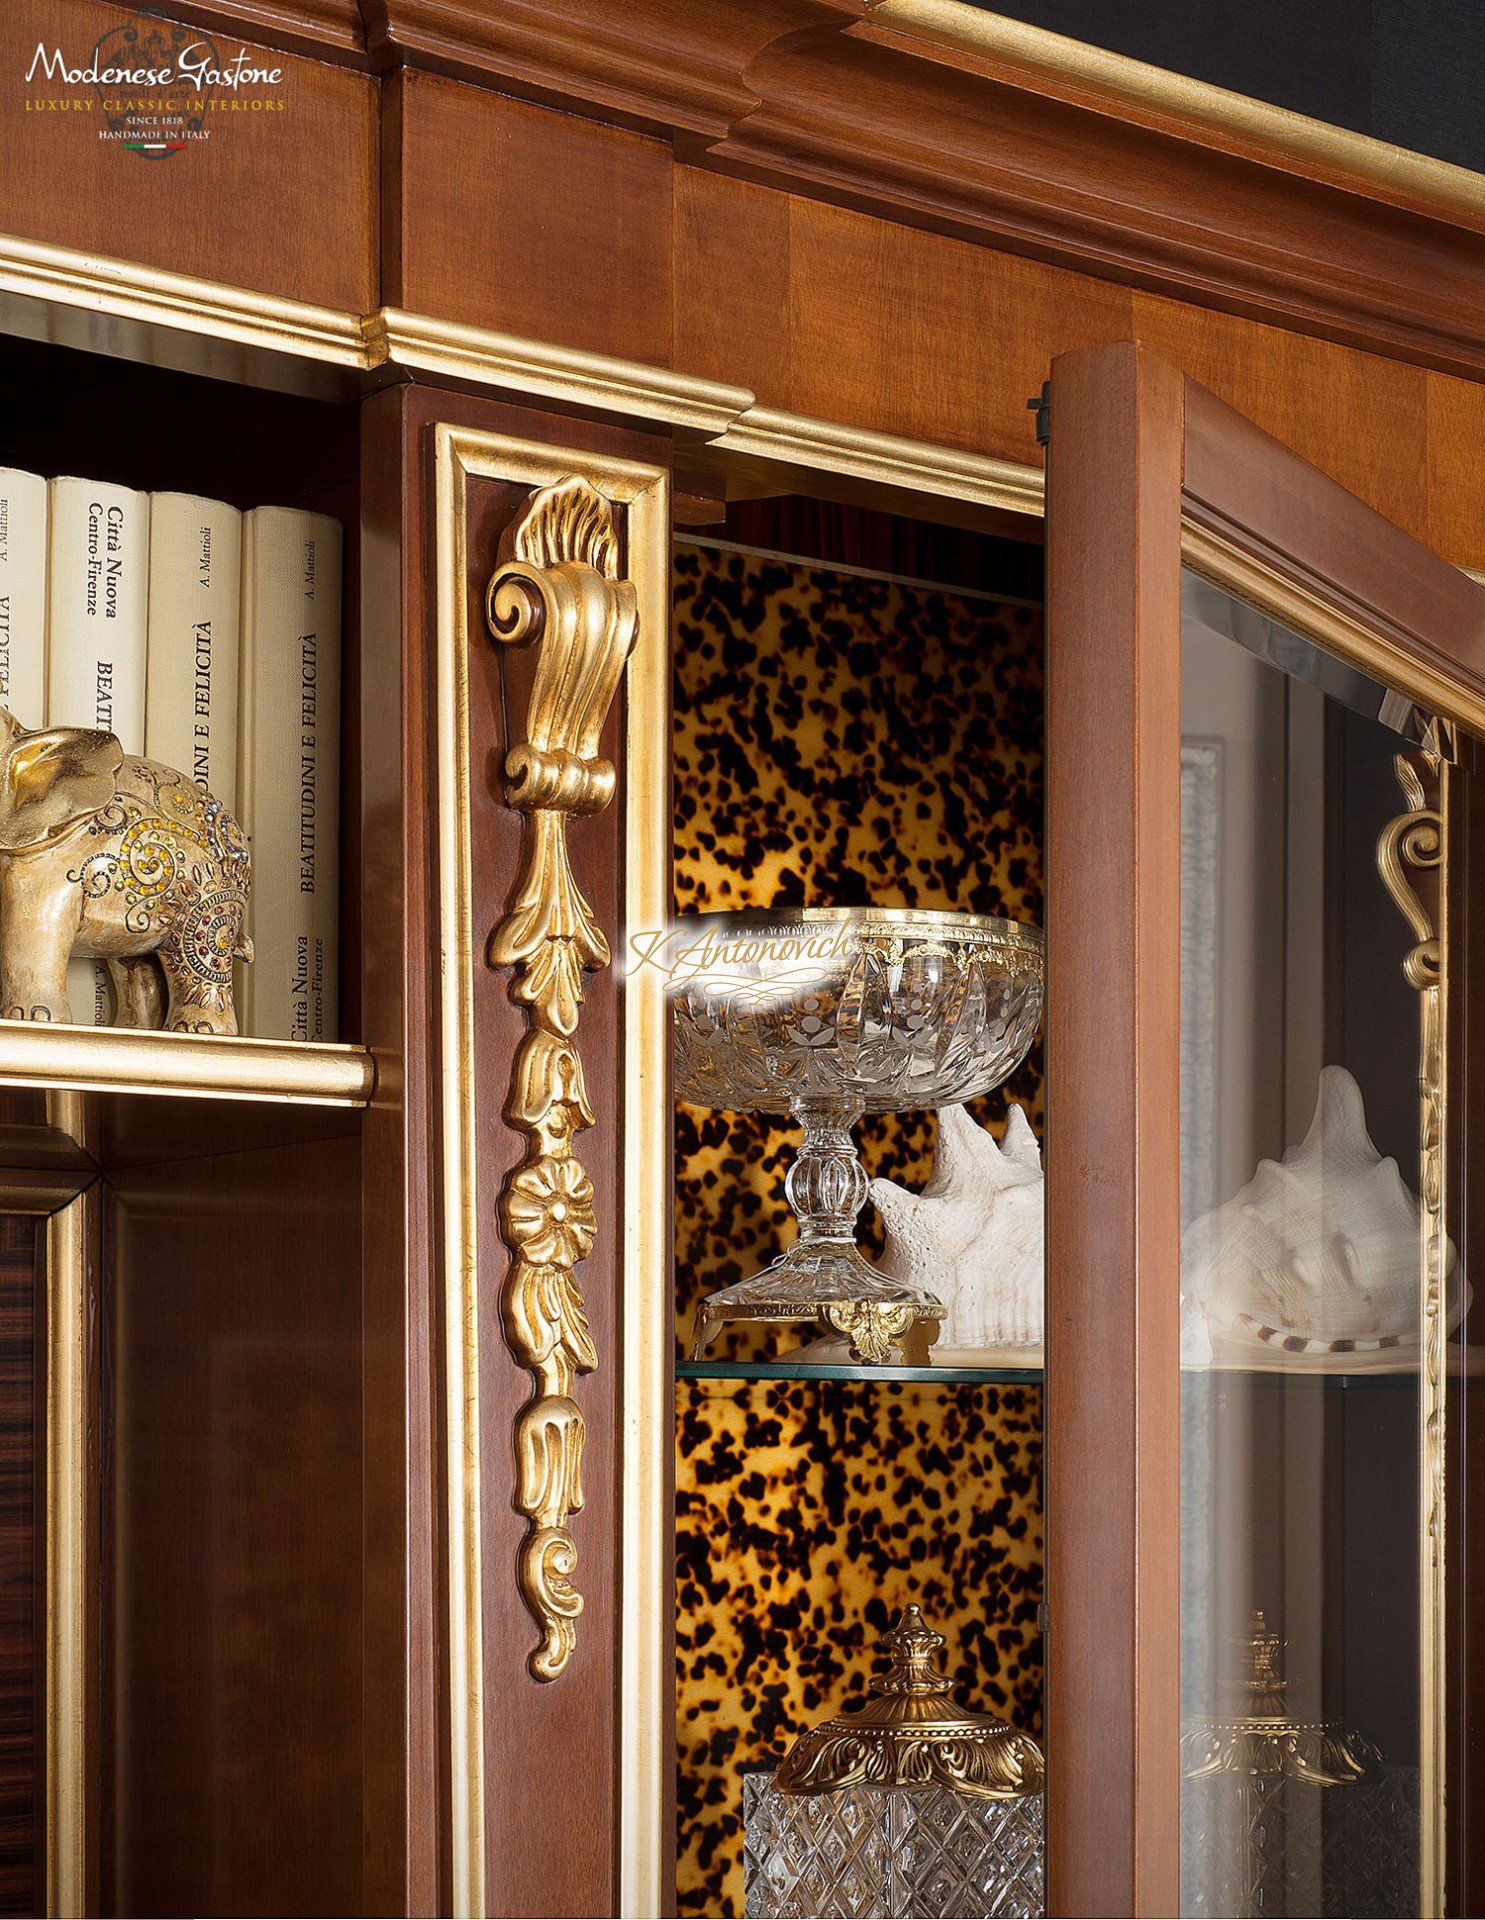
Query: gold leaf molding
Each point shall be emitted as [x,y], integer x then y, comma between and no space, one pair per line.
[556,586]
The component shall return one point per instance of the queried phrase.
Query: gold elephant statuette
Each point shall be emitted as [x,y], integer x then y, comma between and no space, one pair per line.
[107,857]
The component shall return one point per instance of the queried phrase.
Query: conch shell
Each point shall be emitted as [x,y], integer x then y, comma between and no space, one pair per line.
[974,1236]
[1319,1253]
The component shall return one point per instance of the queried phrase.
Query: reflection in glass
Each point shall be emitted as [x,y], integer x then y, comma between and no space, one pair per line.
[1305,1001]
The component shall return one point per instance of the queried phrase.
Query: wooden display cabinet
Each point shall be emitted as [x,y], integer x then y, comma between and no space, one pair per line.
[299,1391]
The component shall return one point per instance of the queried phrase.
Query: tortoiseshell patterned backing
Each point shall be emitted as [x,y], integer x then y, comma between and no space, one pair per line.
[839,739]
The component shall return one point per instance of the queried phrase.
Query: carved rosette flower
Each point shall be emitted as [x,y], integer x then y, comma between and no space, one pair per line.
[549,1212]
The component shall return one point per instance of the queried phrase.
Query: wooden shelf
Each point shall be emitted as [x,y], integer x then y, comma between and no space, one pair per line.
[131,1060]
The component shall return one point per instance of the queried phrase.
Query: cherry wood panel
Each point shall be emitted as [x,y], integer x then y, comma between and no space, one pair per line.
[1112,1404]
[528,221]
[399,1423]
[1361,419]
[233,1766]
[831,312]
[22,1569]
[550,1759]
[281,202]
[902,136]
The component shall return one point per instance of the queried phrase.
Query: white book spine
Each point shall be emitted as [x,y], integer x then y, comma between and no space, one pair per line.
[289,771]
[190,718]
[23,535]
[97,622]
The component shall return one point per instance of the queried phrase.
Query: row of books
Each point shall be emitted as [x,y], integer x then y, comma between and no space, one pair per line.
[207,639]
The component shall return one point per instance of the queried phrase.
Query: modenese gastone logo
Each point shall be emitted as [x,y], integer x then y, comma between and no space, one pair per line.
[156,85]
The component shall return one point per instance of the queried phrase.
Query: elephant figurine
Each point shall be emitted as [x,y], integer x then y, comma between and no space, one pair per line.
[107,857]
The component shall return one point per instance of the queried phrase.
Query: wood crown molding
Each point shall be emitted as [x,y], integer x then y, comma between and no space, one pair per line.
[323,29]
[942,115]
[870,119]
[670,67]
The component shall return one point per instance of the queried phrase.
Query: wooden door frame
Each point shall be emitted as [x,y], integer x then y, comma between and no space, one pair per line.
[1148,471]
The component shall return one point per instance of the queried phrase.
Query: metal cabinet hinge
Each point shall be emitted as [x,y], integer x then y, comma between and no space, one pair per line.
[1041,406]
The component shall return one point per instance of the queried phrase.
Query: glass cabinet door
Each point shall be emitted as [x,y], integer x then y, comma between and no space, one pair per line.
[1260,1066]
[1313,805]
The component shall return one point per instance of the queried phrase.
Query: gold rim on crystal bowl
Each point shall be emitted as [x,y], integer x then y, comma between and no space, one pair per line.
[990,927]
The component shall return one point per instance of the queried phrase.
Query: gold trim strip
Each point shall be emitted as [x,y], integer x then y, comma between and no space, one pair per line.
[646,1676]
[1413,849]
[1356,161]
[885,460]
[392,337]
[460,453]
[461,1240]
[124,290]
[628,387]
[132,1060]
[66,1562]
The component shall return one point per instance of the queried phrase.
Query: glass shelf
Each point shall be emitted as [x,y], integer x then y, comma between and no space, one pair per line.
[916,1376]
[1337,1376]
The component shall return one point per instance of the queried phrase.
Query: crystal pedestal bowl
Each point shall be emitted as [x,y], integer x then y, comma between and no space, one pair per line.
[826,1013]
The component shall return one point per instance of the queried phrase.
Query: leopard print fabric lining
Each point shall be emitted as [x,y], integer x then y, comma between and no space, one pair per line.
[808,1514]
[839,739]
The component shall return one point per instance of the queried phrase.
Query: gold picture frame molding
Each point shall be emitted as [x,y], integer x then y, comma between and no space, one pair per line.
[641,492]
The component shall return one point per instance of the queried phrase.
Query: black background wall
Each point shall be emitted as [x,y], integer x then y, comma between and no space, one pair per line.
[1409,71]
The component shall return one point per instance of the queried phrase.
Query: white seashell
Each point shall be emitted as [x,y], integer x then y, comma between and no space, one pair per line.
[974,1235]
[1319,1253]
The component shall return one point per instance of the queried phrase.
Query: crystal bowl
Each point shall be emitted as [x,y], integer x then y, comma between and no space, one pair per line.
[826,1013]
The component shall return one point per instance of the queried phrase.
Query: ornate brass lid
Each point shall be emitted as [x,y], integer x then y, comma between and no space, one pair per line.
[914,1734]
[1258,1737]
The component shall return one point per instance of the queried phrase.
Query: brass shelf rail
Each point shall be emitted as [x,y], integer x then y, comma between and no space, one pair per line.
[132,1060]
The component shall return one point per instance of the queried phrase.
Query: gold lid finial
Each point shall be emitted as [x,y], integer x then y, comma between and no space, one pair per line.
[913,1733]
[911,1648]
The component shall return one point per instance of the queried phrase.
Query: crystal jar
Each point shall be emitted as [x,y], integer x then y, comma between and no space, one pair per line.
[910,1806]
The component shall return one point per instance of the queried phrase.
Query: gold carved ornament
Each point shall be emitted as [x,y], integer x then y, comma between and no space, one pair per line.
[913,1733]
[556,586]
[1410,858]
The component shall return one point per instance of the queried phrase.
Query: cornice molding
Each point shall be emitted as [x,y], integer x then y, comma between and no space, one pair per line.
[939,114]
[666,68]
[627,388]
[993,159]
[323,29]
[1114,84]
[705,412]
[124,290]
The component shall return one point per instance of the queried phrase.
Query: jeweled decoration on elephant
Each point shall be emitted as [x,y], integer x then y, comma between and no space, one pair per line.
[107,857]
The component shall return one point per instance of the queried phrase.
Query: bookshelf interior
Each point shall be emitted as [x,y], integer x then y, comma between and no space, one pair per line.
[217,1189]
[149,427]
